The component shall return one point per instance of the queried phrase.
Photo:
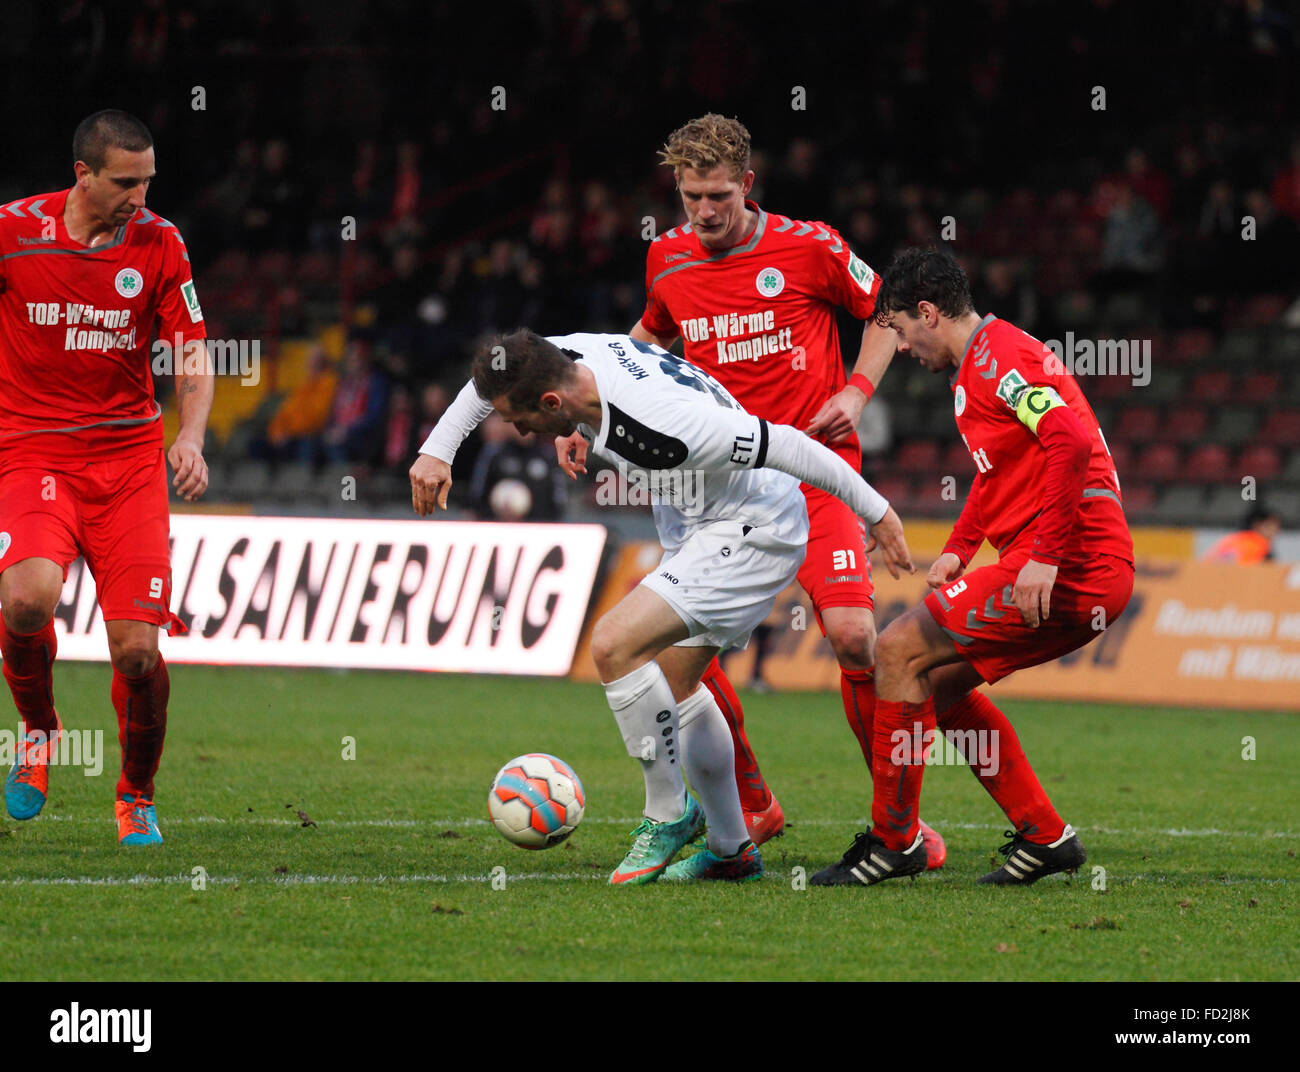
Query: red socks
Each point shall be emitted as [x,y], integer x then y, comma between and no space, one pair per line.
[1007,776]
[28,668]
[754,793]
[858,691]
[897,766]
[141,705]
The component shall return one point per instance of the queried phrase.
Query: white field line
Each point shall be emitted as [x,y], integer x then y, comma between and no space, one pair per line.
[847,824]
[436,879]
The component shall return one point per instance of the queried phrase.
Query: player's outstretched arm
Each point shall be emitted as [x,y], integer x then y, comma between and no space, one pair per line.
[194,391]
[790,451]
[431,473]
[838,418]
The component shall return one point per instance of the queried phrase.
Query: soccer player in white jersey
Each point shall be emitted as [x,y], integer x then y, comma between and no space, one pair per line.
[733,525]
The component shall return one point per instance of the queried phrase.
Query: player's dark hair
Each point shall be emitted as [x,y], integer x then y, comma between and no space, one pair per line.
[109,129]
[924,274]
[522,366]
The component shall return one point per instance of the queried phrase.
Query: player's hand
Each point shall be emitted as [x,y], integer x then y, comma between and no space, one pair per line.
[1032,594]
[838,417]
[887,533]
[575,445]
[430,483]
[947,567]
[186,459]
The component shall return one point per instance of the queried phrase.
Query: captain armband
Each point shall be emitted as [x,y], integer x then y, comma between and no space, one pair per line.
[1034,403]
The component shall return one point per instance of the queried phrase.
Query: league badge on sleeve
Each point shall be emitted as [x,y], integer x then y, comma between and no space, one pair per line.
[191,300]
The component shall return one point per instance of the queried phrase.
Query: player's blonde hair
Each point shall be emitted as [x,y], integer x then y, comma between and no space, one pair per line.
[706,143]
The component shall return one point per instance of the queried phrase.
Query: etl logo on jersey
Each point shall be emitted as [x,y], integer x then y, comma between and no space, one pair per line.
[770,282]
[128,283]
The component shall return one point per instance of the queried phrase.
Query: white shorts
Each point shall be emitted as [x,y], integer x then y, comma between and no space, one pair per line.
[722,581]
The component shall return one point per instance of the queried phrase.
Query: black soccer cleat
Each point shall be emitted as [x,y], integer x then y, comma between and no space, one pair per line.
[868,861]
[1026,862]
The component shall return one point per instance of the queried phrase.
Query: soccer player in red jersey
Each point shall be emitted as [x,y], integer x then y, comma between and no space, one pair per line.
[1047,496]
[752,295]
[86,276]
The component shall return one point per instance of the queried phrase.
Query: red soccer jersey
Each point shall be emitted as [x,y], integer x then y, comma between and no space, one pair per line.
[997,415]
[76,323]
[760,317]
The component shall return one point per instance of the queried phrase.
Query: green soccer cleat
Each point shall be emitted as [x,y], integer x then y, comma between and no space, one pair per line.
[745,866]
[656,844]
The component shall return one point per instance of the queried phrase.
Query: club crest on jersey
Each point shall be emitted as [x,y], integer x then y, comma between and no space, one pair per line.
[959,400]
[4,543]
[128,283]
[770,282]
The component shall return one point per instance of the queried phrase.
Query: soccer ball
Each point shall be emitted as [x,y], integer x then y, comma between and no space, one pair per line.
[536,801]
[510,500]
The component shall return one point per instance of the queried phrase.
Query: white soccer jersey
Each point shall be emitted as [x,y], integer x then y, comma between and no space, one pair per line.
[675,432]
[670,427]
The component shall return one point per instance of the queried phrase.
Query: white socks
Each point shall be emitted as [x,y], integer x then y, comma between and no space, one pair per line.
[646,715]
[709,758]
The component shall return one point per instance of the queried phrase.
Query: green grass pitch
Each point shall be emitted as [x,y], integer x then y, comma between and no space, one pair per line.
[320,867]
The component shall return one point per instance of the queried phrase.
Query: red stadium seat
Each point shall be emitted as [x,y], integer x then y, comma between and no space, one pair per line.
[917,456]
[1262,461]
[957,460]
[1260,387]
[1282,428]
[1186,424]
[1191,345]
[1208,464]
[1138,498]
[1212,385]
[1137,423]
[1160,461]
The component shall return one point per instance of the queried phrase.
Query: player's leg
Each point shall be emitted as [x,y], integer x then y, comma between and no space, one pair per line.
[624,644]
[983,734]
[140,690]
[762,811]
[707,760]
[836,574]
[902,734]
[29,592]
[124,536]
[995,642]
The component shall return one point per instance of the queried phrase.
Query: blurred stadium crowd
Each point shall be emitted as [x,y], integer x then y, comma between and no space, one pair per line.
[367,189]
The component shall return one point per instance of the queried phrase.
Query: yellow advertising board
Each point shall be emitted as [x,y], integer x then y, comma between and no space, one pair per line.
[1194,634]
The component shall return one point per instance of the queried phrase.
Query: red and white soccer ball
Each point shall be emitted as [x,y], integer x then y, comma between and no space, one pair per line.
[536,801]
[510,500]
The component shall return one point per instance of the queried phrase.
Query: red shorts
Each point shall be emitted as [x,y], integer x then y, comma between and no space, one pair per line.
[977,613]
[113,513]
[836,571]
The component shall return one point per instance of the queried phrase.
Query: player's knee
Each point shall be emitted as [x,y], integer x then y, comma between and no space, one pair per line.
[608,650]
[893,652]
[854,642]
[27,609]
[134,658]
